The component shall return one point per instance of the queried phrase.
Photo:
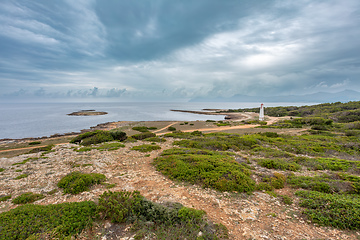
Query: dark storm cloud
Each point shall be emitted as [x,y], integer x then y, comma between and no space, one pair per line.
[93,48]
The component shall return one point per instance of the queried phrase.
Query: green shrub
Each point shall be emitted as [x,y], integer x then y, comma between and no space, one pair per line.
[279,164]
[77,182]
[264,186]
[110,146]
[118,135]
[118,206]
[141,129]
[99,136]
[171,129]
[23,162]
[155,139]
[2,169]
[340,211]
[82,136]
[163,221]
[286,199]
[146,148]
[217,170]
[25,175]
[144,135]
[34,143]
[4,198]
[270,134]
[278,181]
[42,149]
[27,198]
[61,220]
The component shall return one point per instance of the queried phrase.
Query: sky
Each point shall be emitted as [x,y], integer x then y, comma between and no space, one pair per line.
[178,49]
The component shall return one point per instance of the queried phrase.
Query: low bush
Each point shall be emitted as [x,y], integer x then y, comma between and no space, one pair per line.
[99,136]
[27,198]
[217,170]
[326,183]
[58,220]
[155,139]
[4,198]
[2,169]
[168,220]
[118,135]
[42,149]
[119,206]
[142,136]
[34,143]
[286,199]
[336,210]
[23,162]
[279,164]
[146,148]
[77,182]
[141,129]
[171,129]
[25,175]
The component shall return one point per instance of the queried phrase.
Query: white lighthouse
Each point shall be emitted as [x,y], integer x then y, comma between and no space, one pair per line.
[261,115]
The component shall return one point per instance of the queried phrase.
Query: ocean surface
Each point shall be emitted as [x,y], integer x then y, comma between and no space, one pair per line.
[22,120]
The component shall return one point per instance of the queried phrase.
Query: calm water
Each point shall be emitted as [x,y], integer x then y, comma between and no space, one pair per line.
[20,120]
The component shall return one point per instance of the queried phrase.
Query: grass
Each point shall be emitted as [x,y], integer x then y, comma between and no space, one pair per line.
[213,169]
[146,148]
[27,198]
[77,182]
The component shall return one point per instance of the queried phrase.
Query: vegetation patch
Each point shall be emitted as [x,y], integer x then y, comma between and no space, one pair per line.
[213,169]
[4,198]
[99,136]
[325,183]
[336,210]
[171,129]
[279,164]
[146,148]
[168,221]
[155,139]
[27,198]
[45,149]
[25,175]
[77,182]
[141,129]
[142,136]
[35,143]
[2,169]
[59,220]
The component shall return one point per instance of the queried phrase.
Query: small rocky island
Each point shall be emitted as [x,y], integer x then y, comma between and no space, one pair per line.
[86,113]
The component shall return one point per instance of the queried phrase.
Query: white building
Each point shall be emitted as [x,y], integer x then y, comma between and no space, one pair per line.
[261,115]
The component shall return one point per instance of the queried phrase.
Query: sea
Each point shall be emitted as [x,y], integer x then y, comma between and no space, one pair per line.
[31,120]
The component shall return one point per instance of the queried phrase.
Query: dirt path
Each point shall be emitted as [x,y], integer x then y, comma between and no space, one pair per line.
[159,130]
[209,130]
[15,149]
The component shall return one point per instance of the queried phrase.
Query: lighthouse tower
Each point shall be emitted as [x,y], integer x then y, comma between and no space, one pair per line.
[261,115]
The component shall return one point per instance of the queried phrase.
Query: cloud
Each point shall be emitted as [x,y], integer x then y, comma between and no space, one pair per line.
[179,49]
